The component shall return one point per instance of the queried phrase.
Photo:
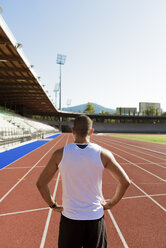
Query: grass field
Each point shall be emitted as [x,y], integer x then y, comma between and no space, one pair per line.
[152,138]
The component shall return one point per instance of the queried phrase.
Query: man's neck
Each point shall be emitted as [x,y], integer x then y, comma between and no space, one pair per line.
[82,140]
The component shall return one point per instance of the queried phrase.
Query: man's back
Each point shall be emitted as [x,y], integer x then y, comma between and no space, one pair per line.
[82,221]
[81,169]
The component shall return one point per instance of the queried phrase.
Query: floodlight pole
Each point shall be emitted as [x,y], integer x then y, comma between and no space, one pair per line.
[60,94]
[56,90]
[61,61]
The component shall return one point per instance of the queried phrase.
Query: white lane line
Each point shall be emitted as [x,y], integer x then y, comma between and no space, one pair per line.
[143,148]
[143,163]
[25,211]
[142,196]
[46,208]
[132,162]
[160,178]
[14,168]
[144,191]
[149,197]
[141,189]
[164,167]
[143,152]
[50,210]
[49,216]
[146,195]
[28,171]
[117,229]
[149,161]
[138,186]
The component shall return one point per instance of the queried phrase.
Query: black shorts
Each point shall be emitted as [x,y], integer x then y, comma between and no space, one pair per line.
[82,233]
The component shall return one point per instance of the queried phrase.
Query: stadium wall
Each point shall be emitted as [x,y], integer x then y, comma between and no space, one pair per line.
[130,128]
[117,127]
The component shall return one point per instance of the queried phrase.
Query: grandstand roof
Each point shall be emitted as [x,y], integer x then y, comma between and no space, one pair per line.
[19,86]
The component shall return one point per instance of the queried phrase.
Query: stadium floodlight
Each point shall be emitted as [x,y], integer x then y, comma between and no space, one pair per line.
[60,61]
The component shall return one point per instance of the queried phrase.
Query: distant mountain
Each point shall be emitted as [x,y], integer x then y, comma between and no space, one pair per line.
[82,107]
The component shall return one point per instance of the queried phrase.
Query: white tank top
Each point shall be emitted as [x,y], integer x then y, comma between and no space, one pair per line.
[81,171]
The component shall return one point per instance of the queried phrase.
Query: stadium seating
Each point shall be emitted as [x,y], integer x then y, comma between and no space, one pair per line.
[15,128]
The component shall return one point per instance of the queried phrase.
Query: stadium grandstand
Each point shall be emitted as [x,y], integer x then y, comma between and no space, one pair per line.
[20,93]
[23,97]
[16,129]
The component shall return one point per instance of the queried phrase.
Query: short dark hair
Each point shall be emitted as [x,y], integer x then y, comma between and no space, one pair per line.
[83,125]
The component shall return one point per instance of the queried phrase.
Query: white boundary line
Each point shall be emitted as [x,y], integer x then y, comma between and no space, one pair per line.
[117,229]
[144,163]
[25,155]
[25,211]
[149,161]
[146,149]
[141,189]
[49,216]
[132,162]
[46,208]
[143,152]
[29,171]
[14,168]
[149,196]
[50,211]
[142,196]
[160,178]
[136,184]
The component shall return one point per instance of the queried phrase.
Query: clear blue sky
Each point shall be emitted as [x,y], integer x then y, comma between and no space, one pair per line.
[116,49]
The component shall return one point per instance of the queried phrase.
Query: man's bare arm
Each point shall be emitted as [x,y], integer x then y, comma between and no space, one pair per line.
[46,176]
[119,174]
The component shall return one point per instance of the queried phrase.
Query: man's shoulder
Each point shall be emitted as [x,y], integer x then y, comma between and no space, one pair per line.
[95,146]
[105,152]
[106,156]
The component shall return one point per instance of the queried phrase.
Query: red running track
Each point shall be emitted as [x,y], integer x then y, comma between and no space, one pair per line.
[138,220]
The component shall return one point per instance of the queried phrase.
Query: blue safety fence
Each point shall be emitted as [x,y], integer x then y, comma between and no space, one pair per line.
[14,154]
[53,136]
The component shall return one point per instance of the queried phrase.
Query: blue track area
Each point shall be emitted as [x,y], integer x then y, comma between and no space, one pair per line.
[12,155]
[53,136]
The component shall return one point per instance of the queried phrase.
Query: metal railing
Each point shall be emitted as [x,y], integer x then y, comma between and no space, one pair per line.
[10,137]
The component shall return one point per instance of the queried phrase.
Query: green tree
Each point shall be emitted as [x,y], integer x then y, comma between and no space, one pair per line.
[89,108]
[151,111]
[105,112]
[117,112]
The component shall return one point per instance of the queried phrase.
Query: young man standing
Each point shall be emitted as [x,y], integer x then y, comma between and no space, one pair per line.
[81,165]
